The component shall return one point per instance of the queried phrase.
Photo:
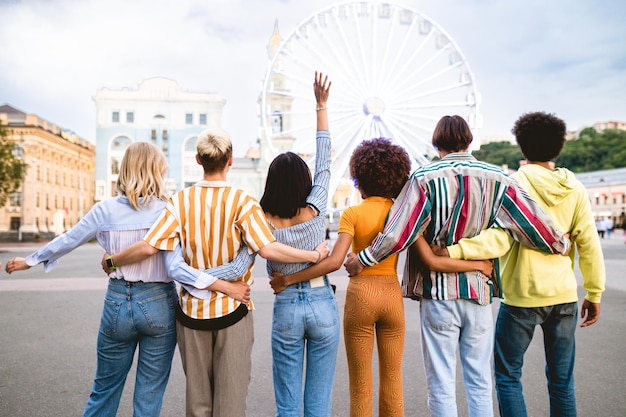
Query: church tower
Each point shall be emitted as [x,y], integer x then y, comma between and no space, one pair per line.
[279,105]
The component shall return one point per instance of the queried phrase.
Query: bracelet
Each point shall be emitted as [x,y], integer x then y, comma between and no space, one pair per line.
[320,108]
[319,256]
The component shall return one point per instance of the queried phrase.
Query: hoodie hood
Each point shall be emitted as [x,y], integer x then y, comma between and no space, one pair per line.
[551,186]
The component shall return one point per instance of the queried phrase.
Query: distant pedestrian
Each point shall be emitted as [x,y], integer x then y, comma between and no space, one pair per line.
[609,226]
[601,227]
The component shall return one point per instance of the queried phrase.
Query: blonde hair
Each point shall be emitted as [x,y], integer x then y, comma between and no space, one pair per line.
[141,174]
[214,150]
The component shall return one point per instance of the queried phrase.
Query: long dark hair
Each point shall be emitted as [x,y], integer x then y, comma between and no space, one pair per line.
[287,187]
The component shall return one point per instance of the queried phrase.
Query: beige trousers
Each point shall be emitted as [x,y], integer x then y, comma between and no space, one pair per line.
[217,364]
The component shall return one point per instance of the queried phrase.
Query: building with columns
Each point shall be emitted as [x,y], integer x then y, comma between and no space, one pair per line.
[58,187]
[158,111]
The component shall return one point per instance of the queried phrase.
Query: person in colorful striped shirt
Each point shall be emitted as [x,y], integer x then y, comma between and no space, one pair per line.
[445,201]
[212,223]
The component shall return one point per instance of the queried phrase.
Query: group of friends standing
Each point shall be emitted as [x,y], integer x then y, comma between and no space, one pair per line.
[452,216]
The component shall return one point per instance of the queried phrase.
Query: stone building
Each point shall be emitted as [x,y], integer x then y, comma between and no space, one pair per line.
[58,187]
[158,111]
[607,193]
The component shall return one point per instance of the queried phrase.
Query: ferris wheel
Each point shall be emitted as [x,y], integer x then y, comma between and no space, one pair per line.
[394,74]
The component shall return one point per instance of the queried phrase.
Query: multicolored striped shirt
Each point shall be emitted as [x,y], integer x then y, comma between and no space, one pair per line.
[448,200]
[212,222]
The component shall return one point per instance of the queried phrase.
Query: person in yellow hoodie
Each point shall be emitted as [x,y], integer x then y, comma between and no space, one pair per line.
[540,289]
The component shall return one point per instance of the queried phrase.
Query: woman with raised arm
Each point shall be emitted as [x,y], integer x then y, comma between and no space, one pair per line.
[305,324]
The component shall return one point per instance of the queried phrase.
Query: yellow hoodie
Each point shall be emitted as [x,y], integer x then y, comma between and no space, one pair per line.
[532,278]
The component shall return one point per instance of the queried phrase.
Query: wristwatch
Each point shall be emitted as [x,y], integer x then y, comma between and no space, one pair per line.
[110,263]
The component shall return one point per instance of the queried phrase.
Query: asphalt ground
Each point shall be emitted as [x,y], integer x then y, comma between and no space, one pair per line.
[49,324]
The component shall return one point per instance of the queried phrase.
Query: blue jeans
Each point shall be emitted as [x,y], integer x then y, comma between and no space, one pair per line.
[514,331]
[305,319]
[468,327]
[134,313]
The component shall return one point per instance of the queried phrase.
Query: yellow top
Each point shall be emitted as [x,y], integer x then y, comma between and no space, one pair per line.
[363,223]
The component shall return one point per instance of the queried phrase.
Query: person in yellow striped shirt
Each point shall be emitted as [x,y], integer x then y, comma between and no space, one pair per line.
[212,223]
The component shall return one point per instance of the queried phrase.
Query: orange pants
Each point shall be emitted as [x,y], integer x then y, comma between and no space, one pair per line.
[374,306]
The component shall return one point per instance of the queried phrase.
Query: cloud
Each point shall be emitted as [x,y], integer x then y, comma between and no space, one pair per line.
[560,56]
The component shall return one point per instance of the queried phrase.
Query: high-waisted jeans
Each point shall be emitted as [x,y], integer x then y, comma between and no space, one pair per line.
[305,335]
[134,314]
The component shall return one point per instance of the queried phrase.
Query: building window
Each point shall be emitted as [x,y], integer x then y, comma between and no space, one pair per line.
[115,118]
[120,144]
[277,122]
[37,200]
[15,200]
[130,117]
[15,223]
[153,136]
[115,166]
[202,118]
[164,141]
[189,118]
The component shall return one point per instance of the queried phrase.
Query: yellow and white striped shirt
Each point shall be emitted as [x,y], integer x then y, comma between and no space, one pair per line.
[212,221]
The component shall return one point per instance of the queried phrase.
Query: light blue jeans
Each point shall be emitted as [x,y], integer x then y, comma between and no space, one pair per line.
[306,321]
[468,327]
[134,314]
[514,331]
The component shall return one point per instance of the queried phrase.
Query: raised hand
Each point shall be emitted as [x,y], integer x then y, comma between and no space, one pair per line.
[321,88]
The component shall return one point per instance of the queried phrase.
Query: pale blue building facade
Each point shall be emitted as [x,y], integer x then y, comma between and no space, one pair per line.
[158,111]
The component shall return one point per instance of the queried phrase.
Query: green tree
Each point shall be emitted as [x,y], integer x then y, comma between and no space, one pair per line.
[500,153]
[12,168]
[594,151]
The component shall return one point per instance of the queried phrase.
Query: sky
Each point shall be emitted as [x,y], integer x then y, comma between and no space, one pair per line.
[566,57]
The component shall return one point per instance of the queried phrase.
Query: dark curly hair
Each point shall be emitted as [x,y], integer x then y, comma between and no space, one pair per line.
[540,136]
[452,134]
[379,168]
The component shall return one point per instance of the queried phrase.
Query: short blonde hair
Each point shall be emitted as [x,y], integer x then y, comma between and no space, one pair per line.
[214,150]
[141,174]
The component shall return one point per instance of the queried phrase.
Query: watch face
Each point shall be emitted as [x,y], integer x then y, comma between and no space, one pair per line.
[110,263]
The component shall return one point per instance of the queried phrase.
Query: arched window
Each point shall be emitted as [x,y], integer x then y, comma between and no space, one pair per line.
[277,122]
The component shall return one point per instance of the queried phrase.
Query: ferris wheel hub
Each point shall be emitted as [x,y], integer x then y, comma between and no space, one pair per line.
[374,106]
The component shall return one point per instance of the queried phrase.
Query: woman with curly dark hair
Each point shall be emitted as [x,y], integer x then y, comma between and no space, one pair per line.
[373,307]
